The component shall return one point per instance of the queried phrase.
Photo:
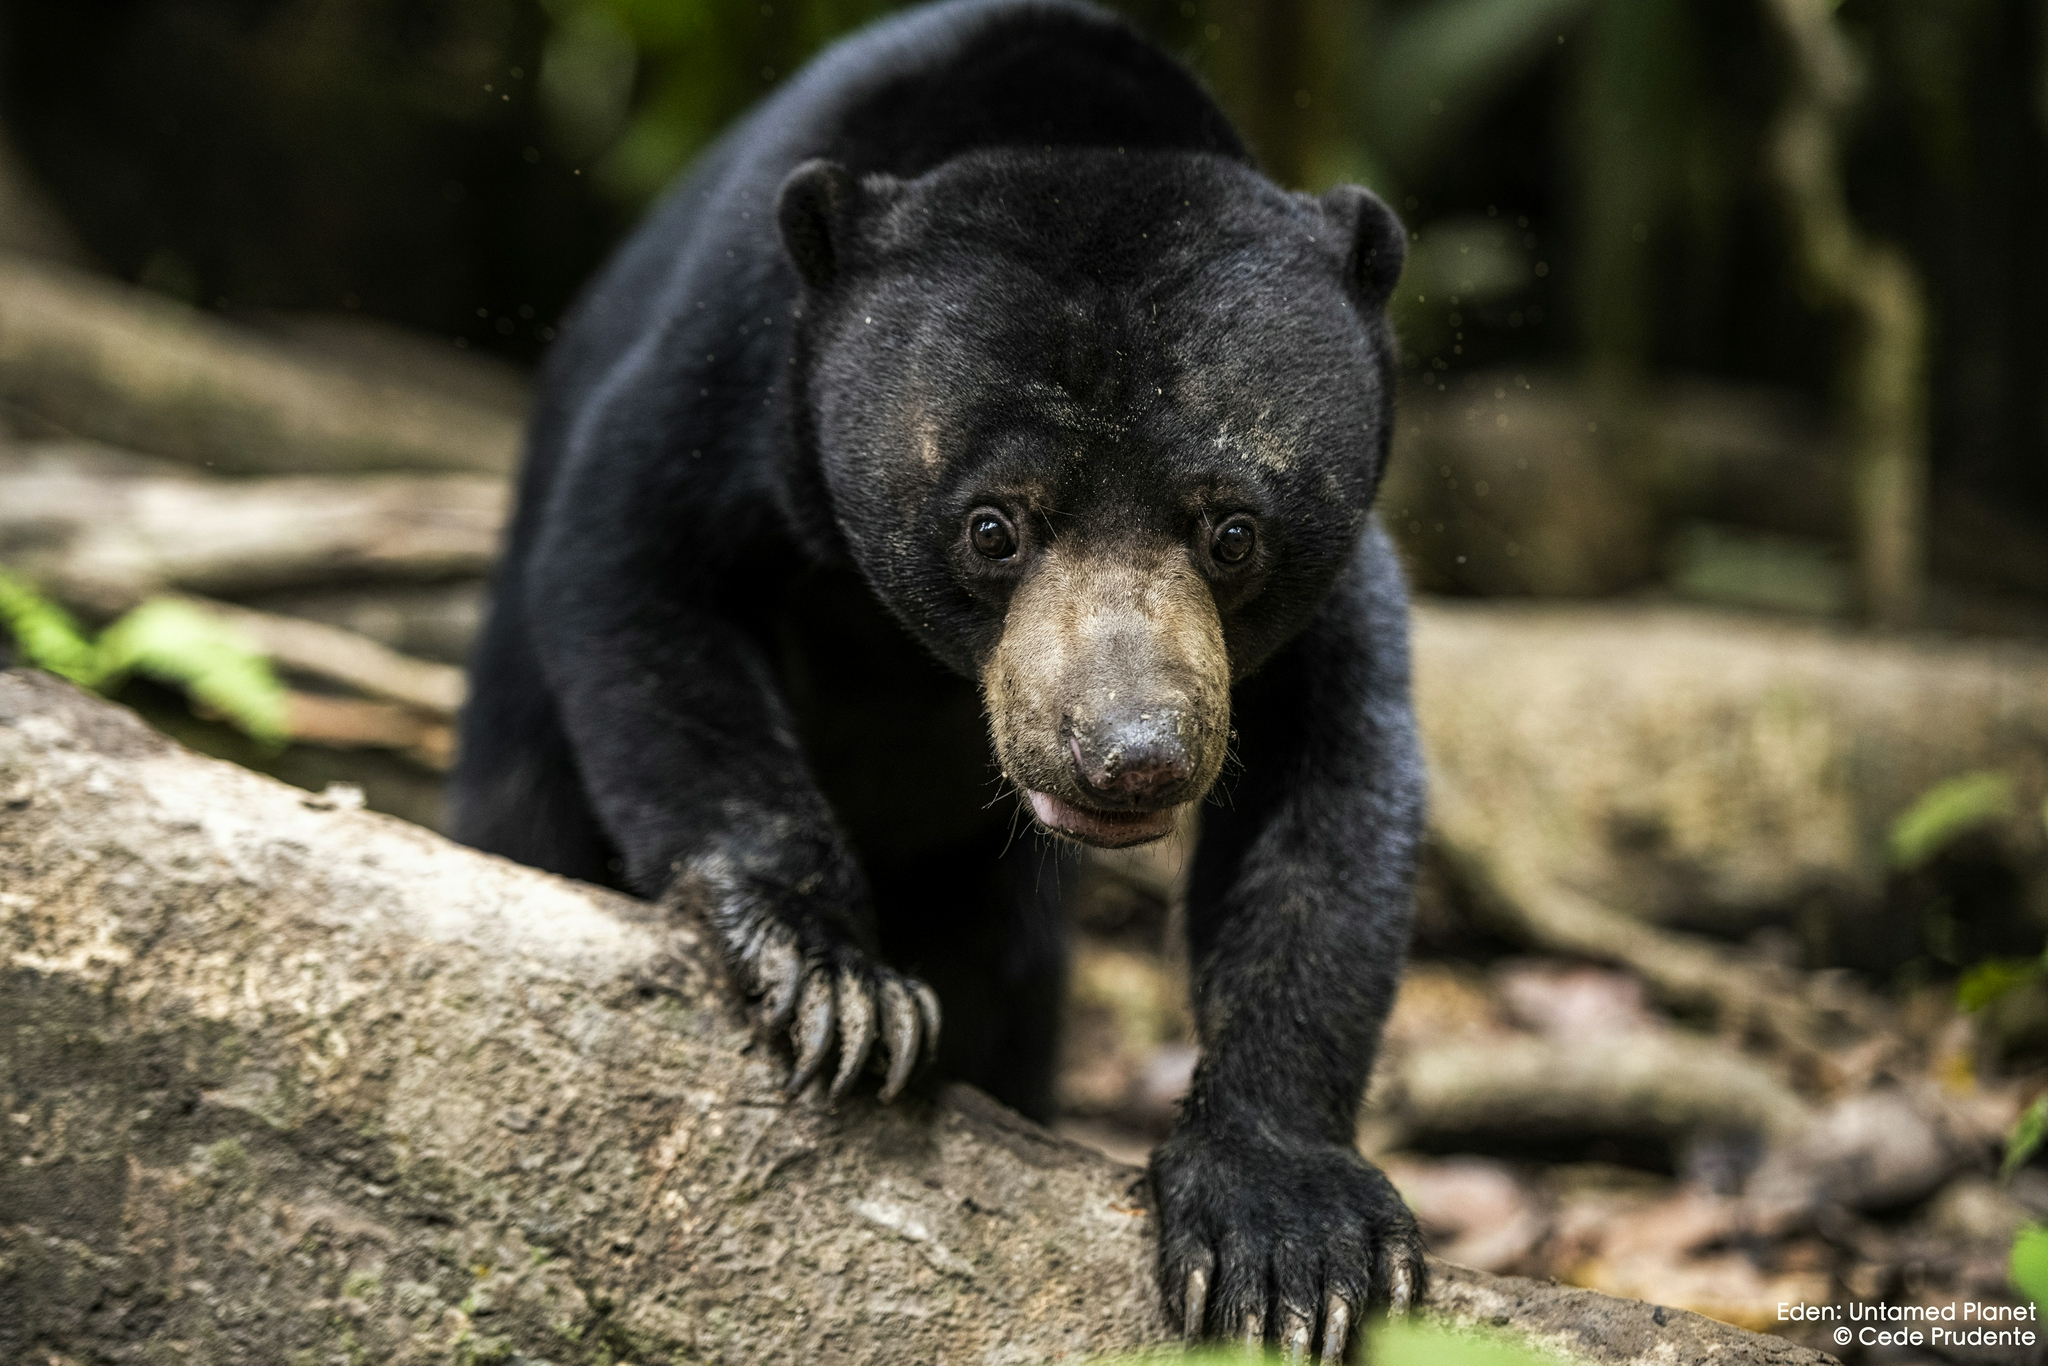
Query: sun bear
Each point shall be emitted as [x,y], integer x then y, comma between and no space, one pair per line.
[975,436]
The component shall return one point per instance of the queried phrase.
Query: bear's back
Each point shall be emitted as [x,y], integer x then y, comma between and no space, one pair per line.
[899,98]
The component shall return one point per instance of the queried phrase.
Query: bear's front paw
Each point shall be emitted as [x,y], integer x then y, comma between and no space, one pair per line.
[820,989]
[1263,1240]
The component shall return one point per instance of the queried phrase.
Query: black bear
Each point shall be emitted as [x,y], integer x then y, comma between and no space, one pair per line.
[975,419]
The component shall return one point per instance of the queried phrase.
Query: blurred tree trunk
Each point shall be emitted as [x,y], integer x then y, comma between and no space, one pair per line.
[1884,373]
[1633,95]
[1267,65]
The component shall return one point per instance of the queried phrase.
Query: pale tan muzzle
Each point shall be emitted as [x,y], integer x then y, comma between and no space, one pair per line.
[1109,692]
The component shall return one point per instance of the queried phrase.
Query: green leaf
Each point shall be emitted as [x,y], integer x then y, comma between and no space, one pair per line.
[2025,1137]
[166,639]
[184,645]
[1945,811]
[48,637]
[1993,978]
[2030,1264]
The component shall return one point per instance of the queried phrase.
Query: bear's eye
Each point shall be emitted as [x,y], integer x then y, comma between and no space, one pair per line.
[1233,540]
[991,534]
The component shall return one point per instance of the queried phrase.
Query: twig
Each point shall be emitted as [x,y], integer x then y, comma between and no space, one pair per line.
[349,723]
[340,656]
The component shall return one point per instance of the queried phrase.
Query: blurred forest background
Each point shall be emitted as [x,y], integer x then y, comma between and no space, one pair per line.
[1612,192]
[1722,467]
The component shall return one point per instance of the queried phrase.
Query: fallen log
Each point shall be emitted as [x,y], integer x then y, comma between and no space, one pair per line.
[102,530]
[1662,1084]
[1501,486]
[96,358]
[1607,779]
[1702,767]
[1497,488]
[280,1076]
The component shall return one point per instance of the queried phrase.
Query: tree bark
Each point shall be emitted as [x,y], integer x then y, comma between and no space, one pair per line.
[281,1076]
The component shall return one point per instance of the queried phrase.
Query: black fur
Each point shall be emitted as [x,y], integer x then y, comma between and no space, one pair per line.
[732,654]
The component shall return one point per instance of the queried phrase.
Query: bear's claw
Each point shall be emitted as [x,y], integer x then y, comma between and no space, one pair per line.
[779,974]
[856,1001]
[1280,1244]
[811,1031]
[1295,1330]
[822,991]
[899,1036]
[1400,1285]
[1197,1305]
[1336,1329]
[910,1011]
[1300,1330]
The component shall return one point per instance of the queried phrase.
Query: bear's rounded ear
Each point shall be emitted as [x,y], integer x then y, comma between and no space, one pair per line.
[813,211]
[1379,244]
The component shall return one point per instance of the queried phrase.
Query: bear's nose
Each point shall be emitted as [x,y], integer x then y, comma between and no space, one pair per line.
[1136,756]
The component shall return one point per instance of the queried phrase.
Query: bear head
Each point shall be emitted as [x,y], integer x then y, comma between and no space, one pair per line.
[1101,430]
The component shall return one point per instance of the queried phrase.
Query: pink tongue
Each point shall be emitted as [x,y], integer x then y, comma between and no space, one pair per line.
[1047,808]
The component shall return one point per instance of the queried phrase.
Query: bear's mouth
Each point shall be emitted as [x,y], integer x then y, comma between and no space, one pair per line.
[1103,829]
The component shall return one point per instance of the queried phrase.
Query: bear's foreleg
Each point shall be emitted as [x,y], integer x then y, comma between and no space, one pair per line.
[691,761]
[1271,1223]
